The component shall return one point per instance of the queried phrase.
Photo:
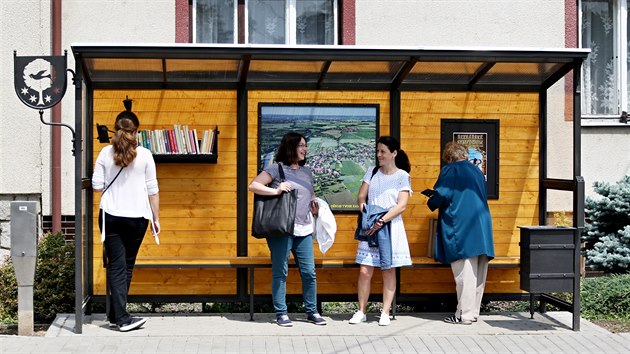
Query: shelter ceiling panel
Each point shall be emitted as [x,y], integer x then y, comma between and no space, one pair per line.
[184,70]
[369,71]
[285,70]
[455,72]
[519,73]
[122,69]
[301,67]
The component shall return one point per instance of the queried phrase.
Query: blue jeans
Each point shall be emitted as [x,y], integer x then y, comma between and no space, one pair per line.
[302,249]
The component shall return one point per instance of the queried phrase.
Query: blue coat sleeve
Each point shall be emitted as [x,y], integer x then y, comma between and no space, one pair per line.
[443,195]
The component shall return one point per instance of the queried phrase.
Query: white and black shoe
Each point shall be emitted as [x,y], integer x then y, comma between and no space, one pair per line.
[457,320]
[134,323]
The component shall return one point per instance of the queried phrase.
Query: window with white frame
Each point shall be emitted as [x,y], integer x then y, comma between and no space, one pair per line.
[605,90]
[214,21]
[266,21]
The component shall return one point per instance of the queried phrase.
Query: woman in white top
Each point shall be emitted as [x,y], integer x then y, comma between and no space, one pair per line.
[389,188]
[125,173]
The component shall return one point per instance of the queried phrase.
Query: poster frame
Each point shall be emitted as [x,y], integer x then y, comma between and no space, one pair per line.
[487,127]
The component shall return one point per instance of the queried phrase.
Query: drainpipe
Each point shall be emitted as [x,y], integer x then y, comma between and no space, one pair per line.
[56,130]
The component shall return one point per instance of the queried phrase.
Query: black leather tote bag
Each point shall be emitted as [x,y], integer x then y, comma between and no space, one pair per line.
[274,215]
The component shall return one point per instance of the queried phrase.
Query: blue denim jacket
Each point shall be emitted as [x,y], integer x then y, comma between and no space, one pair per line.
[381,238]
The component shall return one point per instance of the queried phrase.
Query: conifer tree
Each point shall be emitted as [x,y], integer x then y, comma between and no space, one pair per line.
[607,229]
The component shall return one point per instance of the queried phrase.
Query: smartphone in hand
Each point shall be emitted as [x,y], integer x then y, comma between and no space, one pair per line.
[428,192]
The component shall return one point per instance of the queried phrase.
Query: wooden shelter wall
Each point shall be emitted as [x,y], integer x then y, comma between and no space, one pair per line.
[331,281]
[518,116]
[198,200]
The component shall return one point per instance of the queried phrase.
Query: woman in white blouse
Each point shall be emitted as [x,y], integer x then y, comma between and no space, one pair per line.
[125,174]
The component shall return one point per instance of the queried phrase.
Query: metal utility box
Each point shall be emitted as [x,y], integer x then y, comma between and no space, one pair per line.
[24,240]
[547,259]
[24,257]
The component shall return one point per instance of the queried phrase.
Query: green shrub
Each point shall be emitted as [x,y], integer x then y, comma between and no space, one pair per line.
[8,295]
[606,297]
[53,290]
[607,228]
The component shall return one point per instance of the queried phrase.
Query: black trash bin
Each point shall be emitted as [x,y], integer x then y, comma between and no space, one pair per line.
[547,257]
[550,262]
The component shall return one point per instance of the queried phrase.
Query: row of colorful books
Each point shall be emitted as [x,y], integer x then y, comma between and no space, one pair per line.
[179,140]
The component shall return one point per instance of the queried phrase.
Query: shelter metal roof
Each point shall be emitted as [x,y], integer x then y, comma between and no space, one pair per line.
[181,66]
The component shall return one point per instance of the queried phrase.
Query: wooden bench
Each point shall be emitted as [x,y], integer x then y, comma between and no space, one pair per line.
[252,262]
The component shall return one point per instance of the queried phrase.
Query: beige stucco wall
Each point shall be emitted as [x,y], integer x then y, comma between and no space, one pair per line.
[23,140]
[461,23]
[606,152]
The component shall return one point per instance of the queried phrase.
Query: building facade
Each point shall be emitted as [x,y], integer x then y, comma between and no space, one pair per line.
[30,169]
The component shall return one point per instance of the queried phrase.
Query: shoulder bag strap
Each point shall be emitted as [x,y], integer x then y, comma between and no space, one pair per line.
[374,172]
[281,172]
[110,183]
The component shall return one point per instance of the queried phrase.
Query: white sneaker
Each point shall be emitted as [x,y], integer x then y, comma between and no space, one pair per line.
[358,317]
[384,320]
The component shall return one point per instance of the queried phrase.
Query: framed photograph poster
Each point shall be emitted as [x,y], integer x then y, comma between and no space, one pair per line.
[341,142]
[481,137]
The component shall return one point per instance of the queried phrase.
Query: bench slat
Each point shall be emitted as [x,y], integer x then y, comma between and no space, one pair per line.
[242,262]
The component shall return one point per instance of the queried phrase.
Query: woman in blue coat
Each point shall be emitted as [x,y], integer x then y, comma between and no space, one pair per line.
[464,233]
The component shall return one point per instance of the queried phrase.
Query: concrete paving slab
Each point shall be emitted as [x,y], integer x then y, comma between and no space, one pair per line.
[408,333]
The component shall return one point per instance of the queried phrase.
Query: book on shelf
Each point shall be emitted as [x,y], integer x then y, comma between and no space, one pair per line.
[181,140]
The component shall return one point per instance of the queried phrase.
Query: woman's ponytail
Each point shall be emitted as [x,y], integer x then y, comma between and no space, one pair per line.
[124,140]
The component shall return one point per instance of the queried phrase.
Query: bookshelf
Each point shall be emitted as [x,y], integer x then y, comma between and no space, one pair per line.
[181,144]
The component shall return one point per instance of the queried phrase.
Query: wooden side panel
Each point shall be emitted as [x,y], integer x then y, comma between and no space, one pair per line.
[440,281]
[197,200]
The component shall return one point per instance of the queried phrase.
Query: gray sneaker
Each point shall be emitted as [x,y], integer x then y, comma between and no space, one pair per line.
[284,321]
[316,319]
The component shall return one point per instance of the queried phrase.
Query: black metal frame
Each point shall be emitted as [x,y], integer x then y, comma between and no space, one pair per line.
[377,112]
[565,60]
[491,128]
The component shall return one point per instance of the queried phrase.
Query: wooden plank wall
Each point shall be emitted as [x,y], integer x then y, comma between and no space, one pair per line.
[198,210]
[197,200]
[421,113]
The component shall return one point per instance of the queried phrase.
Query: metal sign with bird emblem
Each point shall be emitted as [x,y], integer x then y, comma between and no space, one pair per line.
[40,82]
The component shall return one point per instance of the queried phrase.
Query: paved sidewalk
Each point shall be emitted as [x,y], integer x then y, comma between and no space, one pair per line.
[409,333]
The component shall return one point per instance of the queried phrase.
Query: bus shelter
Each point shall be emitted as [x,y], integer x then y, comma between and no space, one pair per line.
[422,96]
